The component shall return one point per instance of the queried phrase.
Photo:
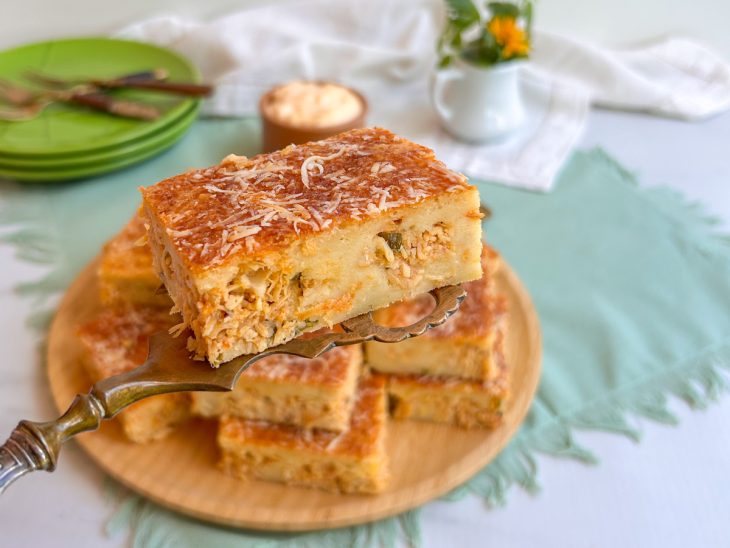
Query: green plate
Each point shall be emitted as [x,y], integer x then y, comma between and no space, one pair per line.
[47,163]
[65,129]
[165,140]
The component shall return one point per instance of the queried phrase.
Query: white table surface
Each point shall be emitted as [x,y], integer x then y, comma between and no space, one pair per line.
[671,490]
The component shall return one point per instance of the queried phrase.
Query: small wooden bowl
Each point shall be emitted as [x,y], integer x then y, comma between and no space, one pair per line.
[277,135]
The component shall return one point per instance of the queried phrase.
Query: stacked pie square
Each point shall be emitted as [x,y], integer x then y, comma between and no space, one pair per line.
[455,373]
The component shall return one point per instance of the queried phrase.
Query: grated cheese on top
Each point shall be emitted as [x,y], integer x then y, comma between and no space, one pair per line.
[313,161]
[247,205]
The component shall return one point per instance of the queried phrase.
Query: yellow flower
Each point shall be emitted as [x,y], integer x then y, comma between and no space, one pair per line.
[508,35]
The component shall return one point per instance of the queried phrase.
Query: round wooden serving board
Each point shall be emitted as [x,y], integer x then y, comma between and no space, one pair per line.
[180,471]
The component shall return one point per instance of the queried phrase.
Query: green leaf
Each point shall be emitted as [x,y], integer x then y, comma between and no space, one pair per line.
[462,13]
[445,61]
[503,9]
[393,239]
[527,13]
[483,52]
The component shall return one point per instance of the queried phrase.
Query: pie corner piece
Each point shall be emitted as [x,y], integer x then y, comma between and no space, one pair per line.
[462,347]
[125,273]
[352,461]
[460,402]
[255,252]
[114,342]
[287,389]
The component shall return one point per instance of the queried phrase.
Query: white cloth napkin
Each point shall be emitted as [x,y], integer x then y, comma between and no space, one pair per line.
[674,77]
[385,49]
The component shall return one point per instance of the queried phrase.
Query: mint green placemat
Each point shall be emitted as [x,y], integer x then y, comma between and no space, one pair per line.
[632,288]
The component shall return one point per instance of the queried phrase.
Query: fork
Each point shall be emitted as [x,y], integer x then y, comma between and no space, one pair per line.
[15,95]
[28,105]
[21,114]
[169,368]
[175,88]
[155,75]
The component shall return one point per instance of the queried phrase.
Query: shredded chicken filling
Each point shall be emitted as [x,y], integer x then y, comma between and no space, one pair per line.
[258,305]
[404,254]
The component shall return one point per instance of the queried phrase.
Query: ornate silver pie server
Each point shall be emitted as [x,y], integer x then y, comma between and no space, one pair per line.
[169,368]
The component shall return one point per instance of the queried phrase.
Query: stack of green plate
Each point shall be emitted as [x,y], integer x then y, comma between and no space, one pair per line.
[70,142]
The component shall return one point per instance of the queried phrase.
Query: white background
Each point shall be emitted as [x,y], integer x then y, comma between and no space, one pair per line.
[612,22]
[671,490]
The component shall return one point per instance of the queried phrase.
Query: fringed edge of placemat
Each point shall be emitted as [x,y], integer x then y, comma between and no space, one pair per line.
[140,517]
[697,384]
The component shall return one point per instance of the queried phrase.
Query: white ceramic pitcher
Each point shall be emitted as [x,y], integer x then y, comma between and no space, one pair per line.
[479,104]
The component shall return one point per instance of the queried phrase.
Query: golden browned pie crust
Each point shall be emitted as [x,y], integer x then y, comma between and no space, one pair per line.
[116,341]
[256,251]
[462,403]
[125,271]
[316,393]
[353,461]
[462,347]
[247,206]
